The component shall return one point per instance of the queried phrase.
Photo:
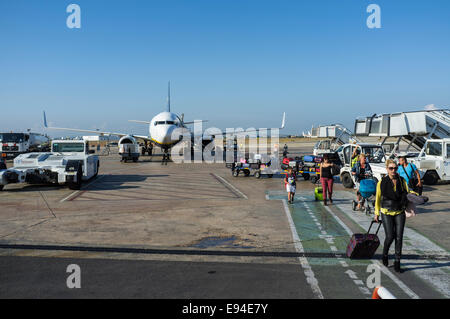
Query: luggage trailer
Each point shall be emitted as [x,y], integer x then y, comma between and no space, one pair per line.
[256,169]
[309,166]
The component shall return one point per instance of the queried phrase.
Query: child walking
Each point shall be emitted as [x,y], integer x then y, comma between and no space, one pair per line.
[290,184]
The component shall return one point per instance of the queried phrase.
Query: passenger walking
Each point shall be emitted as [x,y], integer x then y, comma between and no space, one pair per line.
[391,200]
[361,170]
[326,178]
[355,156]
[290,184]
[285,151]
[411,174]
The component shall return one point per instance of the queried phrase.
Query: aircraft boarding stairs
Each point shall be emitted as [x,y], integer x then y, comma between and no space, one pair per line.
[412,127]
[338,133]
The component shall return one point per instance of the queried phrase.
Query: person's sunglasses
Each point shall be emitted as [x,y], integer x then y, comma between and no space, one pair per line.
[393,168]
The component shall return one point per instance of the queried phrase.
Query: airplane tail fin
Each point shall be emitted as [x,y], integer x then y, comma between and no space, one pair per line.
[45,120]
[168,97]
[283,122]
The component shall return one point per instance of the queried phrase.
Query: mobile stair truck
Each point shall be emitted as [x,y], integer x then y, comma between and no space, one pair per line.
[70,162]
[333,136]
[426,134]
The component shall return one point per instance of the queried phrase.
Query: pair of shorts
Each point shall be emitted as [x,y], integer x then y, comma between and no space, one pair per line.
[290,188]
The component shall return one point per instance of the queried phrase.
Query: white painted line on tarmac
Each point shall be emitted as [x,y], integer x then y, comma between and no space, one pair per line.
[85,186]
[68,197]
[394,278]
[233,187]
[359,282]
[310,277]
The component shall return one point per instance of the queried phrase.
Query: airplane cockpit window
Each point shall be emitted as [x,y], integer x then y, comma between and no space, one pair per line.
[164,122]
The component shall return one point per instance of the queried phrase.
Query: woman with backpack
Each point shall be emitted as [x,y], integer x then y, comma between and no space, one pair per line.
[411,174]
[390,203]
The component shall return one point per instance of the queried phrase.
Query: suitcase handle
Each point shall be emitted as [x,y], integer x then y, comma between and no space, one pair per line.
[380,222]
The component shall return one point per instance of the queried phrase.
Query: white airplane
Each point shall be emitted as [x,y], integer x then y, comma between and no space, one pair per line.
[161,129]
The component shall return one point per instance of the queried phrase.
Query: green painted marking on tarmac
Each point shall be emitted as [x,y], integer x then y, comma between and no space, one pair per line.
[314,241]
[312,236]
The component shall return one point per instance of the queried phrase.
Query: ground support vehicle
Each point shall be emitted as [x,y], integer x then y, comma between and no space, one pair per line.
[14,144]
[128,149]
[375,156]
[434,161]
[70,162]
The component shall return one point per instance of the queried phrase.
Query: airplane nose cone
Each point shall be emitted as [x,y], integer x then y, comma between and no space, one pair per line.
[166,135]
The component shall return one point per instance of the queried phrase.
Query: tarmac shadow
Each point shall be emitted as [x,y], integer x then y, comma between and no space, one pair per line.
[413,266]
[34,188]
[115,182]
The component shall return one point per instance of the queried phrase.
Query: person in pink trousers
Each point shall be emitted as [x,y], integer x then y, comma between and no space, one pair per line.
[326,178]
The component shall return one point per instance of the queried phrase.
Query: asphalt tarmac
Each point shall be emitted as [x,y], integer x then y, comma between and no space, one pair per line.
[143,230]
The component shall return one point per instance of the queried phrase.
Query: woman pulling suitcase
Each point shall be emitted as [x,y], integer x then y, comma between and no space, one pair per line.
[391,202]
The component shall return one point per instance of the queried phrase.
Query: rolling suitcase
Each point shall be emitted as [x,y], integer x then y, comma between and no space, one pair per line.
[318,193]
[363,246]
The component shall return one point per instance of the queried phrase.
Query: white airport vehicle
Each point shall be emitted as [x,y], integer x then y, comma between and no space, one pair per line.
[128,149]
[70,162]
[14,144]
[334,136]
[434,161]
[375,156]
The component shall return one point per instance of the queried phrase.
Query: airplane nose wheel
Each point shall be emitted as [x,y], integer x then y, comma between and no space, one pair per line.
[165,158]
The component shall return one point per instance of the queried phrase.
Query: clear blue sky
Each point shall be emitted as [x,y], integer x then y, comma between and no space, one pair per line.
[233,62]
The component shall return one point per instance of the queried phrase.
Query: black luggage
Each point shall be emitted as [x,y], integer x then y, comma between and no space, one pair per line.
[363,246]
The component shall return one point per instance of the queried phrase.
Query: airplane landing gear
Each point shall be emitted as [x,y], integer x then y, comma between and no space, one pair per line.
[166,157]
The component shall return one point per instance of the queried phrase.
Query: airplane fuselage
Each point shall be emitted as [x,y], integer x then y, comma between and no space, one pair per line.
[162,128]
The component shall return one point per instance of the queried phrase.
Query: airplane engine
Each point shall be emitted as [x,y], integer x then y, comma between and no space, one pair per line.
[128,149]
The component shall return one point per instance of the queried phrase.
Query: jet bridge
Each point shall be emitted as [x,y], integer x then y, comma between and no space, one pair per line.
[412,127]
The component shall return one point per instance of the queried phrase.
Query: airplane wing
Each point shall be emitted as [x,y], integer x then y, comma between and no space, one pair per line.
[283,122]
[142,122]
[145,138]
[192,122]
